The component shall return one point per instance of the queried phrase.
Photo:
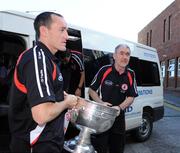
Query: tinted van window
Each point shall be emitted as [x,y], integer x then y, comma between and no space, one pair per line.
[147,73]
[93,61]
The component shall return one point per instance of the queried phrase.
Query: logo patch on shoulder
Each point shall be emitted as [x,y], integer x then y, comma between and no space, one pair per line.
[60,78]
[108,82]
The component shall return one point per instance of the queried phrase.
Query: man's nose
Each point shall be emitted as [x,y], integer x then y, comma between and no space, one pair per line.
[66,35]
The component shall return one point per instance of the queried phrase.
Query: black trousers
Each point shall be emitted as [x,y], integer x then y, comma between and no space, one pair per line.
[47,147]
[20,146]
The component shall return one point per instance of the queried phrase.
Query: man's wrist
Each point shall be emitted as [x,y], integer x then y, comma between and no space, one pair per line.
[79,87]
[120,108]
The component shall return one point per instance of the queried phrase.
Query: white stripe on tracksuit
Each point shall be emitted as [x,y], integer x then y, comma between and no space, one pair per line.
[78,60]
[45,72]
[95,78]
[134,84]
[34,134]
[37,71]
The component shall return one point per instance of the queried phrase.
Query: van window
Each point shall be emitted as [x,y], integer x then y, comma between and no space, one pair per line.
[74,41]
[147,72]
[93,61]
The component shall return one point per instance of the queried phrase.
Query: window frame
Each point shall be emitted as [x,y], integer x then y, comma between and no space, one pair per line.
[171,68]
[163,69]
[178,67]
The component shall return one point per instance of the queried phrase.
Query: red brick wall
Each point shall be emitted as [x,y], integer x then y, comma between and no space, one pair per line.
[170,48]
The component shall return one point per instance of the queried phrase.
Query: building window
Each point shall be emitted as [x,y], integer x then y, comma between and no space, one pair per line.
[171,68]
[164,31]
[169,28]
[163,69]
[147,41]
[178,67]
[150,39]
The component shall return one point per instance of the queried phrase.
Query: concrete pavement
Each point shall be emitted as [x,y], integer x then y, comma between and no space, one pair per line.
[172,97]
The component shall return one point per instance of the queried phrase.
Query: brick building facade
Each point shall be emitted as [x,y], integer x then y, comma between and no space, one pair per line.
[163,33]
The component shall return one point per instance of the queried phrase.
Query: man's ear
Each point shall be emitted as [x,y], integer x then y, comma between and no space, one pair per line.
[43,30]
[114,56]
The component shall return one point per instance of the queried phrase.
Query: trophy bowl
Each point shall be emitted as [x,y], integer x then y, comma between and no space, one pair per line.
[92,118]
[95,116]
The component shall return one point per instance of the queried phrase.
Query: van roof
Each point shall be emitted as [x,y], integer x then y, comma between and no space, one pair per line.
[91,39]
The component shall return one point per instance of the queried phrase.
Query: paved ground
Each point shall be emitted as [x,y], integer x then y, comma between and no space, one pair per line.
[165,137]
[172,97]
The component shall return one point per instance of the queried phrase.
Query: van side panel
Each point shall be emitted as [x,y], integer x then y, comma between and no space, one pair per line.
[16,23]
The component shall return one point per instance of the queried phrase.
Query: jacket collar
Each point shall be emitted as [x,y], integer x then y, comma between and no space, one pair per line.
[47,51]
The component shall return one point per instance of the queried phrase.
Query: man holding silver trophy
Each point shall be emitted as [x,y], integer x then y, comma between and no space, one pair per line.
[117,87]
[102,120]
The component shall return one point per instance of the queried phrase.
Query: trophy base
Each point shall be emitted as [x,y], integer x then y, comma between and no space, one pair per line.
[71,144]
[83,148]
[81,143]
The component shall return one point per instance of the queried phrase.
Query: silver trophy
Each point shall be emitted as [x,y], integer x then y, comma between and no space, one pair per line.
[93,118]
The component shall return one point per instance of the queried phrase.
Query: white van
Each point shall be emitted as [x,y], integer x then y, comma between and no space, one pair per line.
[17,34]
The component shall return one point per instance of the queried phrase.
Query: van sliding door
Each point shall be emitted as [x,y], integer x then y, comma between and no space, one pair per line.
[11,45]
